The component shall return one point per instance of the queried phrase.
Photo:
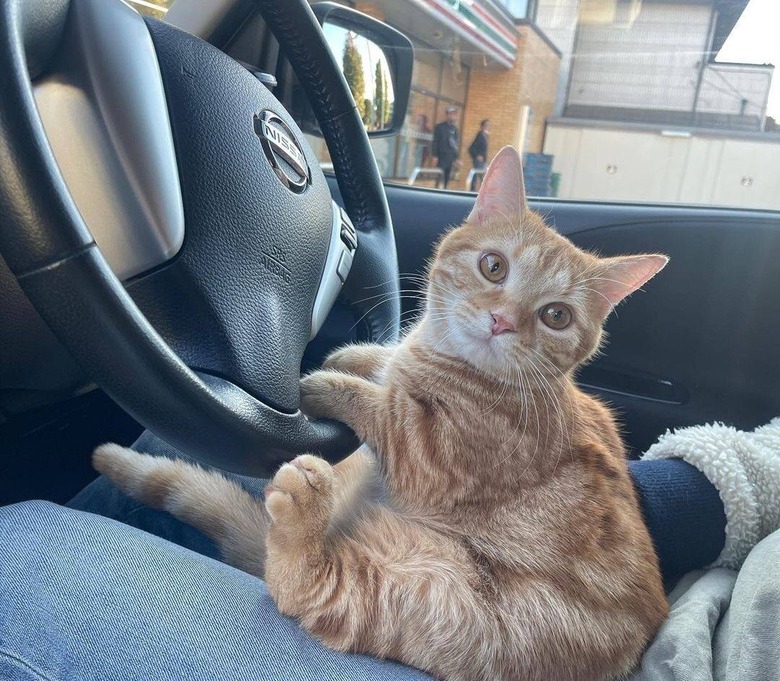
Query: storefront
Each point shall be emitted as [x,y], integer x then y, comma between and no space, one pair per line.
[438,83]
[473,55]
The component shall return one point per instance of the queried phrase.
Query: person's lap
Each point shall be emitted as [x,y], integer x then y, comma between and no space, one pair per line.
[88,597]
[115,601]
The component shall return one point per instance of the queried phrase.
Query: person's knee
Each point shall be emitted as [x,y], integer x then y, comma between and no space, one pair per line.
[32,531]
[33,514]
[30,528]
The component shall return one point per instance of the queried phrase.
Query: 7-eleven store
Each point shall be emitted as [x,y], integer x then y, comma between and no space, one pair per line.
[472,54]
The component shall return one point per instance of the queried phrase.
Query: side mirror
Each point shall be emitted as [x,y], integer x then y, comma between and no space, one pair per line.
[377,64]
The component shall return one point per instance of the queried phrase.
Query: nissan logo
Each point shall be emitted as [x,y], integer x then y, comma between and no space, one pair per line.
[283,151]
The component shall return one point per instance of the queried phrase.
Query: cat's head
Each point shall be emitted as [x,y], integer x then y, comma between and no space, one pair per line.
[507,291]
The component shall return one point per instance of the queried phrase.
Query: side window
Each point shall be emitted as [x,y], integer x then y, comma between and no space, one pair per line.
[666,101]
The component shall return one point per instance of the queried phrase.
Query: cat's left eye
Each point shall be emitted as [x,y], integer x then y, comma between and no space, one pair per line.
[493,267]
[556,315]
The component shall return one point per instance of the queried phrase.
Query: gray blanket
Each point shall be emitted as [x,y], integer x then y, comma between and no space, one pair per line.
[723,625]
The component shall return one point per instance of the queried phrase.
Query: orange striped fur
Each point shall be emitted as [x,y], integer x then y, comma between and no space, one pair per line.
[489,530]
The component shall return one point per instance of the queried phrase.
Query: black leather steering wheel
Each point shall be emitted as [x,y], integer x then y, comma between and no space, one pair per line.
[204,348]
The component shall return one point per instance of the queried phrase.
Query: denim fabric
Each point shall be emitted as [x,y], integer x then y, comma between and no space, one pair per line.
[103,498]
[88,598]
[85,597]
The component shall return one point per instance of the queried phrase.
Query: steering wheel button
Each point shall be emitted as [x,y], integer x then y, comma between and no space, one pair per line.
[345,263]
[346,223]
[349,239]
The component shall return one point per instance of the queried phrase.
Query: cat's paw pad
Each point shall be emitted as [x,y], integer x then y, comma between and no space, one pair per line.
[301,492]
[317,394]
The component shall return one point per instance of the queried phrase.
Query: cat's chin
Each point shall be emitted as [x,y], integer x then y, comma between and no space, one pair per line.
[490,355]
[485,352]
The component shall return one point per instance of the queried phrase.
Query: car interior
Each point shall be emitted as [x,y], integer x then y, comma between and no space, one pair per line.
[174,256]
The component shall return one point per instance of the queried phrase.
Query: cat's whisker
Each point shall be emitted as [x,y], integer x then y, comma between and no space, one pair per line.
[409,293]
[555,403]
[403,317]
[558,374]
[525,400]
[371,309]
[408,317]
[599,293]
[505,381]
[525,429]
[402,276]
[573,410]
[439,284]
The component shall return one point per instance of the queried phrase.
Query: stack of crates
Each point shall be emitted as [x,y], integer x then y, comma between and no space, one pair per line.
[537,171]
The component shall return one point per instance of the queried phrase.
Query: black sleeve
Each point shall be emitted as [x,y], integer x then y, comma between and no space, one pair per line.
[480,145]
[475,148]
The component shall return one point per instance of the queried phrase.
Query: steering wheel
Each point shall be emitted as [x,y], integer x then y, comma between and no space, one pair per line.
[203,344]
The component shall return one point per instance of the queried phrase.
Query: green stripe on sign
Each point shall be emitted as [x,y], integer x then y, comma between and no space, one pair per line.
[489,32]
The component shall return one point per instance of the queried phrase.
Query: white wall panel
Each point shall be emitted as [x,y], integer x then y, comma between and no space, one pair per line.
[605,164]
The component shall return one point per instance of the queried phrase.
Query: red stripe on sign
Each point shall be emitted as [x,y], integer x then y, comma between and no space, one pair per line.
[489,18]
[479,37]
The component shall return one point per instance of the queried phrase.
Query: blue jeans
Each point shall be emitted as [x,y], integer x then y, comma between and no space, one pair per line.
[87,597]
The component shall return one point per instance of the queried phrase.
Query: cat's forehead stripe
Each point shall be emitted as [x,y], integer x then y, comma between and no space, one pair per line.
[527,260]
[561,278]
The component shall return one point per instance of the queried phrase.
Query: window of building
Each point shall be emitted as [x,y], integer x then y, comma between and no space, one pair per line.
[439,82]
[518,9]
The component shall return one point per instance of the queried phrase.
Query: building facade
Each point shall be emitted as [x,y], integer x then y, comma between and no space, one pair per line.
[649,115]
[653,61]
[484,57]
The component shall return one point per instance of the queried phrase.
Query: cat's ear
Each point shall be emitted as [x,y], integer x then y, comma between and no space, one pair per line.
[621,276]
[502,192]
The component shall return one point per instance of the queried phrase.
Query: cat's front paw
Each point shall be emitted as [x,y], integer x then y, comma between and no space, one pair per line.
[299,499]
[318,396]
[346,359]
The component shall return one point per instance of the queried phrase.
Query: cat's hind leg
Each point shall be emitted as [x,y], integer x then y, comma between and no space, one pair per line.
[220,508]
[388,586]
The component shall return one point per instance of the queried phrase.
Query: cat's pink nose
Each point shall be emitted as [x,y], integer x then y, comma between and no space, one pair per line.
[500,324]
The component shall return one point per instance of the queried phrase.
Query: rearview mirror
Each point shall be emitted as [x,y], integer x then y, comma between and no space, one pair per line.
[376,61]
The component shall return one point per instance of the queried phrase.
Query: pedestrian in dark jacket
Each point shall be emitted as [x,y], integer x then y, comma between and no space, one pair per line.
[478,150]
[446,144]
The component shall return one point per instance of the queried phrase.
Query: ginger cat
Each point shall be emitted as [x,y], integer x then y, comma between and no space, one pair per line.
[496,533]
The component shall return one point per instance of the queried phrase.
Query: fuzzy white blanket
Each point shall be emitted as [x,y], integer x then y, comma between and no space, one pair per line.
[745,469]
[724,625]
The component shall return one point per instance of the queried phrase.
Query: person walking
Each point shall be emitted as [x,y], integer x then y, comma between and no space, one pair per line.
[446,144]
[478,150]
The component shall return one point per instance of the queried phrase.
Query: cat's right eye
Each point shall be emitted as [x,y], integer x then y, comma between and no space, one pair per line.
[556,315]
[493,267]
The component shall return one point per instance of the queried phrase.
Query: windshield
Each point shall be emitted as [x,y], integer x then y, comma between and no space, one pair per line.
[663,101]
[659,101]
